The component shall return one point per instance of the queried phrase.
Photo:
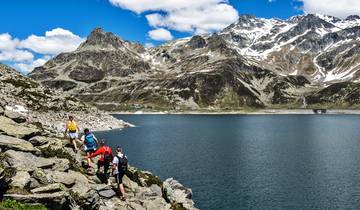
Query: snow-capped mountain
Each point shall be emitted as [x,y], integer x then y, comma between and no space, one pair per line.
[254,62]
[322,48]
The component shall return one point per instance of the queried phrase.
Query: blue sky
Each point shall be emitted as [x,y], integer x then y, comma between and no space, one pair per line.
[27,17]
[33,31]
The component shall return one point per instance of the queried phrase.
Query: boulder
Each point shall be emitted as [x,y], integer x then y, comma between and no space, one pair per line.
[55,148]
[20,180]
[156,190]
[1,110]
[69,179]
[27,161]
[157,203]
[51,188]
[34,183]
[177,194]
[8,142]
[107,193]
[17,117]
[61,164]
[143,178]
[19,130]
[54,201]
[40,140]
[40,176]
[132,186]
[100,187]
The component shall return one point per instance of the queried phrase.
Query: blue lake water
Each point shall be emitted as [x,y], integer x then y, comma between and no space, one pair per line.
[251,162]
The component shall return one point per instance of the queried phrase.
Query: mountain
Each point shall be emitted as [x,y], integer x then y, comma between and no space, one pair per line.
[253,63]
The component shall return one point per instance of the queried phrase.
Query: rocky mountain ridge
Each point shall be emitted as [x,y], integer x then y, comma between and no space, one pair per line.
[38,167]
[49,107]
[253,63]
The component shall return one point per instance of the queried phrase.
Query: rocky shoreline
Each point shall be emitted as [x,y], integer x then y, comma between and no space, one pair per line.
[252,112]
[37,166]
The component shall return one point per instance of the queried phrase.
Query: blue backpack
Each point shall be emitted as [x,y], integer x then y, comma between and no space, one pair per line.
[90,141]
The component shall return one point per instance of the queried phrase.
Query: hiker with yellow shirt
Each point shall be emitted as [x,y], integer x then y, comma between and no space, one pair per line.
[71,130]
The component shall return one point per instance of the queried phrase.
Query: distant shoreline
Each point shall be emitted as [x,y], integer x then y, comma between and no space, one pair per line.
[255,112]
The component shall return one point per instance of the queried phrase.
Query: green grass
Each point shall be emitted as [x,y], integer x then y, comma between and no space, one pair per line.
[13,204]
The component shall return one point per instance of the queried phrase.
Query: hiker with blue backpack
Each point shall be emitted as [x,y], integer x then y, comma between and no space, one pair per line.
[90,143]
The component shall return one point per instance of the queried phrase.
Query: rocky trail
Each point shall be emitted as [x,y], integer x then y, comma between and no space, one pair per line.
[36,166]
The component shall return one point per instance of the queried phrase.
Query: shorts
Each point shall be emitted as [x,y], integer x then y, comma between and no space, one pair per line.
[73,135]
[89,149]
[119,177]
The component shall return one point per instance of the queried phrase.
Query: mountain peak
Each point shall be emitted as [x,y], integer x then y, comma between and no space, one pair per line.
[353,17]
[101,40]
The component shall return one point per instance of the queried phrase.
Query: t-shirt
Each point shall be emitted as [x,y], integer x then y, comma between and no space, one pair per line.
[116,162]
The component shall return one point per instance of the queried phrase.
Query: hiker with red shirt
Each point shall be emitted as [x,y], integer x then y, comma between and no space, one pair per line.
[105,158]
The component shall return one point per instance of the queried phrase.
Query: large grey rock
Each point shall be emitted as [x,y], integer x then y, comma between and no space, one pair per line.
[54,201]
[27,161]
[107,193]
[51,188]
[100,187]
[40,140]
[61,164]
[67,178]
[178,194]
[8,142]
[17,117]
[157,203]
[40,176]
[34,183]
[22,130]
[20,180]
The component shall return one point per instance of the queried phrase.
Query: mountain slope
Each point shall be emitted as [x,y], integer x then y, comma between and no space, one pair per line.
[51,108]
[252,63]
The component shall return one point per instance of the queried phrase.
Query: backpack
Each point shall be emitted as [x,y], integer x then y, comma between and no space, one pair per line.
[107,155]
[89,140]
[122,163]
[72,126]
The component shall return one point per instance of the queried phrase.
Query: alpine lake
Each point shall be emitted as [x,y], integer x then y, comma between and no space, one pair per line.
[250,161]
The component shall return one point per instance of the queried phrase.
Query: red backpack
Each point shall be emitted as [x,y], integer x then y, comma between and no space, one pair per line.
[107,154]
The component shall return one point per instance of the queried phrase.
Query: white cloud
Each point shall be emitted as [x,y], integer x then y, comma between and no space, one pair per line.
[196,20]
[21,53]
[199,16]
[16,55]
[29,66]
[140,6]
[160,34]
[338,8]
[54,42]
[9,51]
[7,42]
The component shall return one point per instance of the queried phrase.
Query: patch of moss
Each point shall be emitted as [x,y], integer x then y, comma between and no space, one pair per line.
[16,190]
[21,83]
[13,204]
[61,153]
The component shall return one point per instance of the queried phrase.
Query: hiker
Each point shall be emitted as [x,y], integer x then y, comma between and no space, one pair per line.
[105,158]
[71,130]
[119,169]
[90,142]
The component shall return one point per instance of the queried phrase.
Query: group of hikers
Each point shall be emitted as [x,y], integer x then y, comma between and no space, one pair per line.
[94,147]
